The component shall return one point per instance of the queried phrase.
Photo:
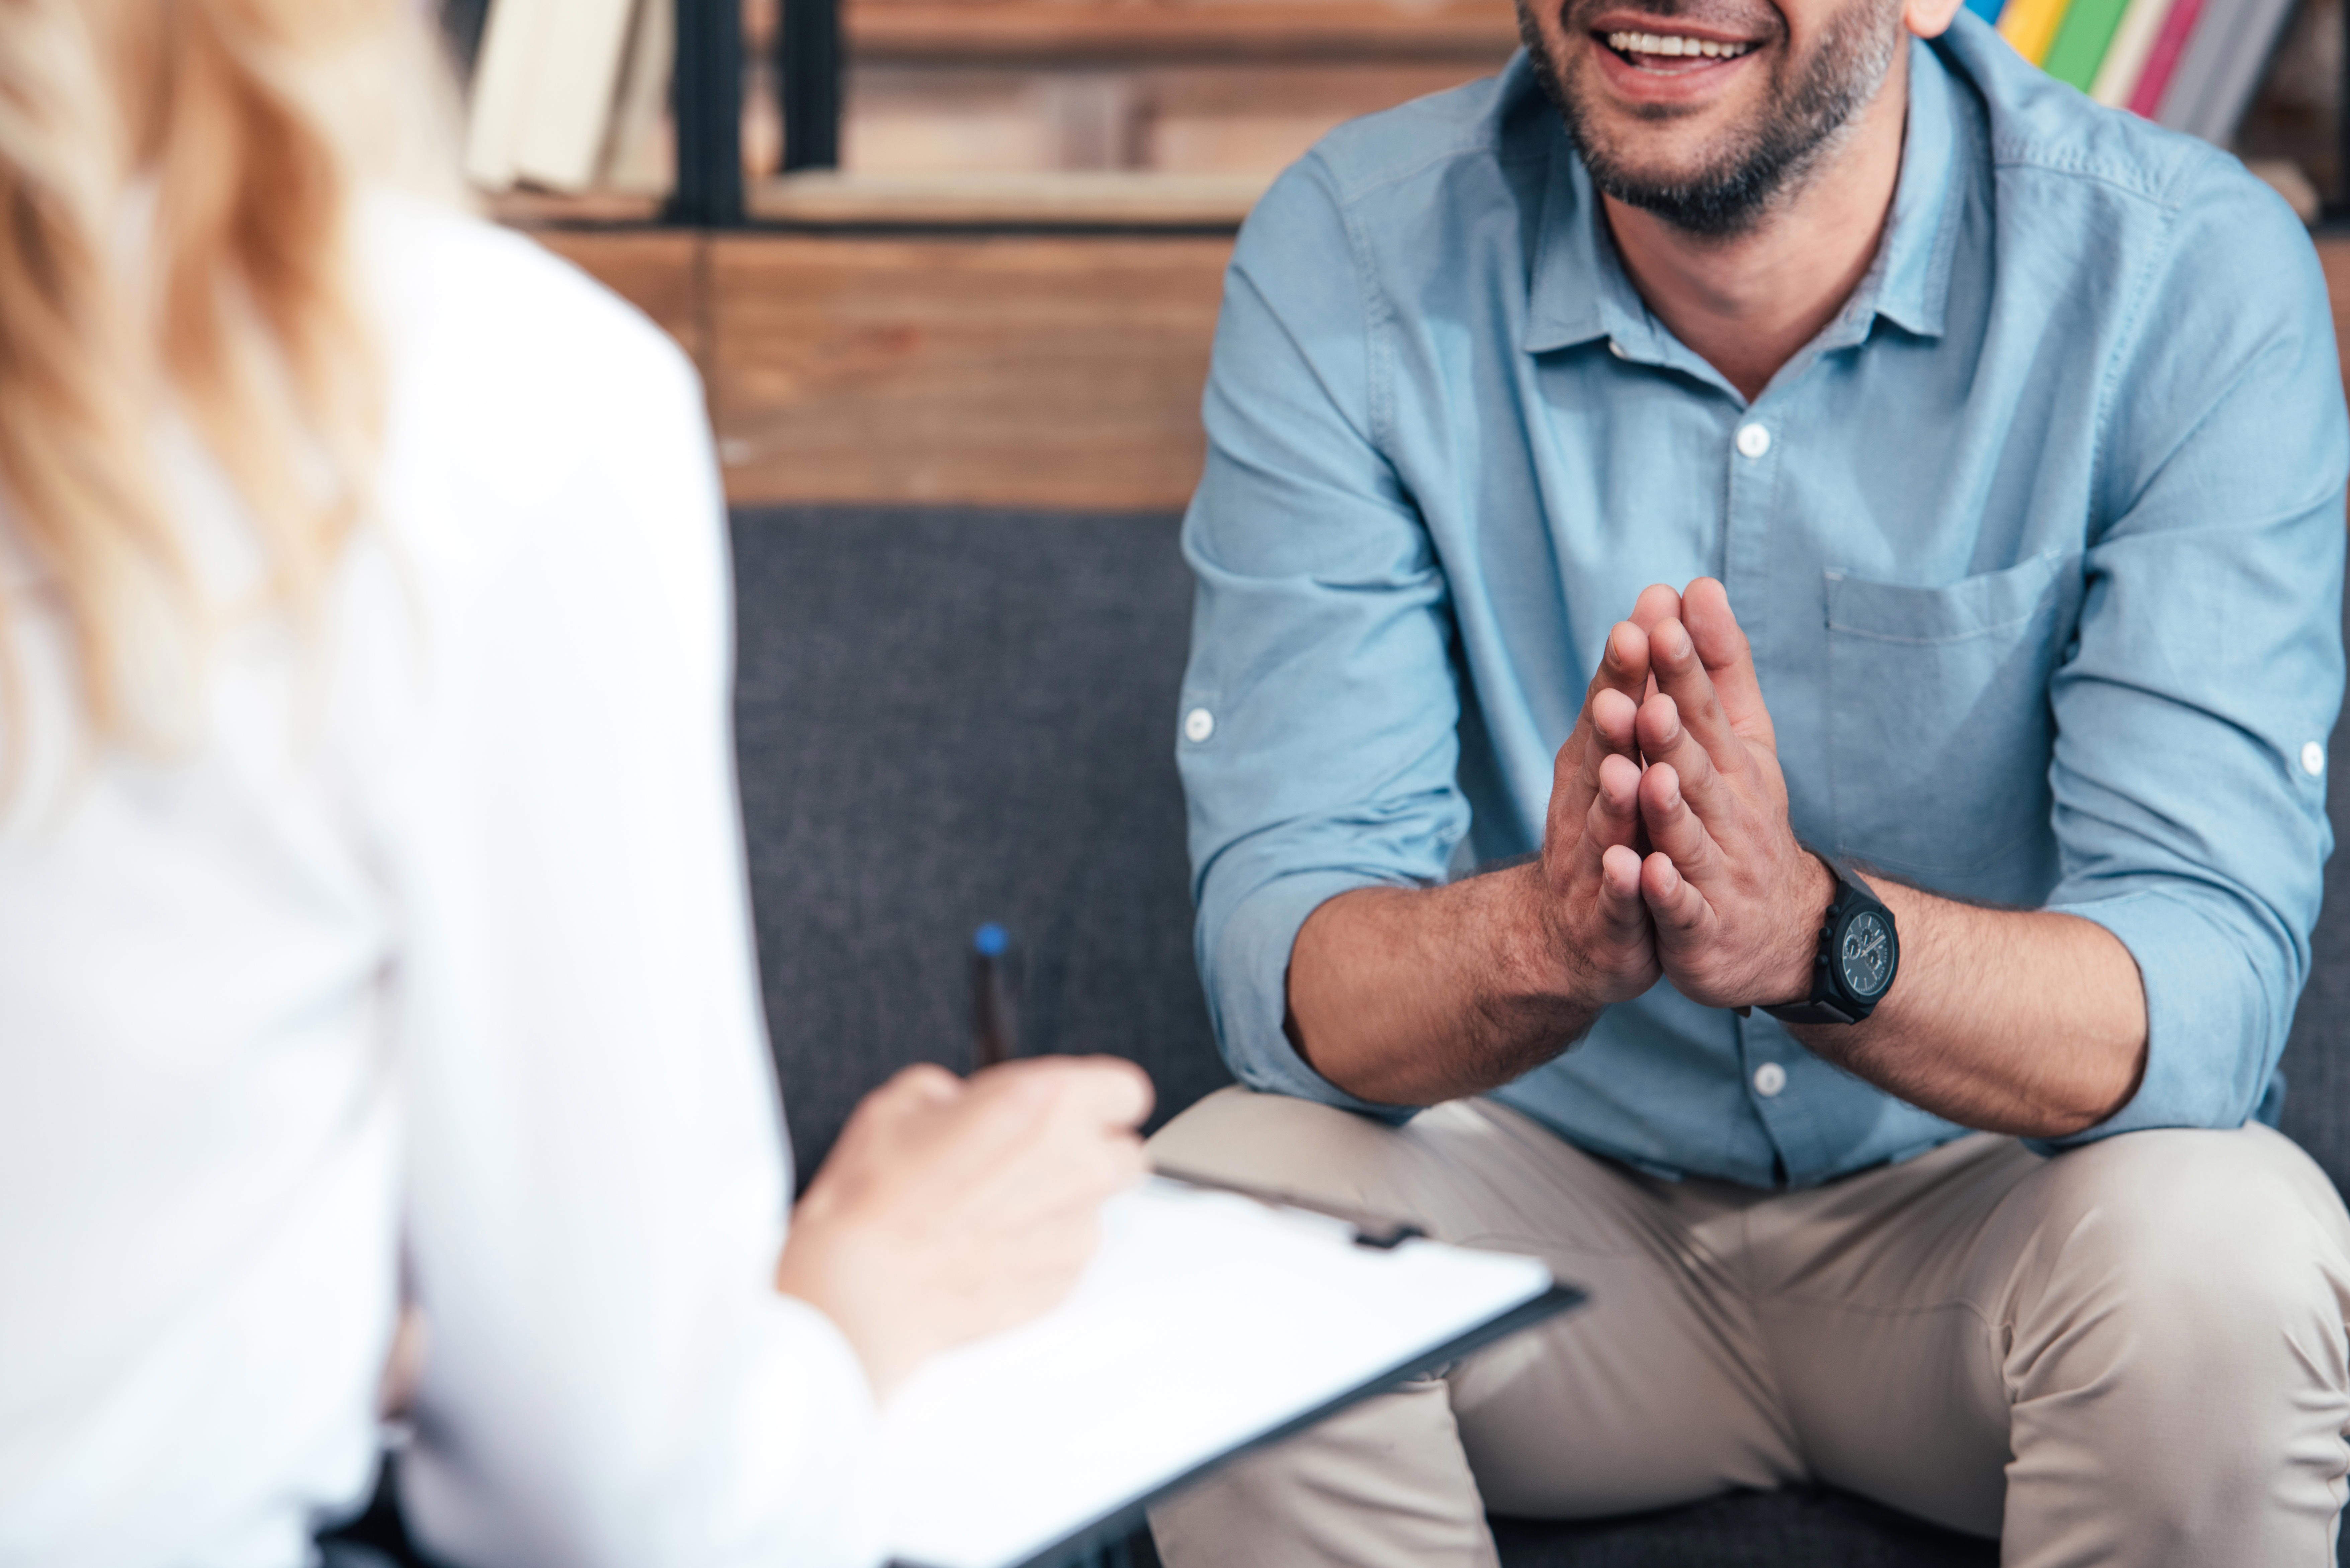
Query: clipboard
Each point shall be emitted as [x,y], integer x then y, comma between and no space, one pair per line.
[1211,1323]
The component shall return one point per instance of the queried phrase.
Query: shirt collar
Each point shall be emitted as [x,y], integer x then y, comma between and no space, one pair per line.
[1579,292]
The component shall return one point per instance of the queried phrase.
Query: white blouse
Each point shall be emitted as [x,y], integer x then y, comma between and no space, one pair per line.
[435,941]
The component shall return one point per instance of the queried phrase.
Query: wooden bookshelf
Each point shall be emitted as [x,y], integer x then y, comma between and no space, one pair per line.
[527,209]
[1065,31]
[2333,255]
[1195,119]
[1061,200]
[1195,88]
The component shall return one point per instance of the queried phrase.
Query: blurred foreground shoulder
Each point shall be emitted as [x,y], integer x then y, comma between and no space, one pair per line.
[447,278]
[524,392]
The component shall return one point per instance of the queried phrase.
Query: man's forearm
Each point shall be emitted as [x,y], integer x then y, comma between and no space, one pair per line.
[2017,1022]
[1413,996]
[2012,1020]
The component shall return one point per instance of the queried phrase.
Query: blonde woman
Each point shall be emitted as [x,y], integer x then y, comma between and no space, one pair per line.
[370,882]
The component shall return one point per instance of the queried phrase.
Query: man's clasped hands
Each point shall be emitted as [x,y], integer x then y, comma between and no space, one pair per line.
[950,1209]
[1668,849]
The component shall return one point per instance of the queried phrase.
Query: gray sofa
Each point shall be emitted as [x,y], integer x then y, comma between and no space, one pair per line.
[951,717]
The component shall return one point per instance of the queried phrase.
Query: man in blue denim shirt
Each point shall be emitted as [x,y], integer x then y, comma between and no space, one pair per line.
[1753,440]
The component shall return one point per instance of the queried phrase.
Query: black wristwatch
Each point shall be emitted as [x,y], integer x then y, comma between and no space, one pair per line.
[1859,954]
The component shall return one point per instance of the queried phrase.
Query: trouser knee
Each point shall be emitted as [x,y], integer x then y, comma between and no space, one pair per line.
[2202,1245]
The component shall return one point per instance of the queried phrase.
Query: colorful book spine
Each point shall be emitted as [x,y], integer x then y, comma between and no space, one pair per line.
[2221,72]
[2031,25]
[2079,44]
[1988,10]
[2162,60]
[2126,57]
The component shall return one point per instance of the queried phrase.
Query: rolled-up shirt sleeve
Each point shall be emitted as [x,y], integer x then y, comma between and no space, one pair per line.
[1317,719]
[2192,715]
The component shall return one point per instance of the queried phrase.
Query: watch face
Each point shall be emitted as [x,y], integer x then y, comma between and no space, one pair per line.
[1865,958]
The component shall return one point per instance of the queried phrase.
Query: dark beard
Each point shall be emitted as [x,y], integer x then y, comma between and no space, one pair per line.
[1803,122]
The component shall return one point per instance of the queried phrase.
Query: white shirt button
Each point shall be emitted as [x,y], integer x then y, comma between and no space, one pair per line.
[2312,759]
[1769,1079]
[1618,350]
[1754,440]
[1198,725]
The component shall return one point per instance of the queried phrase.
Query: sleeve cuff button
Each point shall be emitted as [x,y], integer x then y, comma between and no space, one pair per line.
[2312,759]
[1198,725]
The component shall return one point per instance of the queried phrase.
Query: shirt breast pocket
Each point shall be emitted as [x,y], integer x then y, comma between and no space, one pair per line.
[1939,723]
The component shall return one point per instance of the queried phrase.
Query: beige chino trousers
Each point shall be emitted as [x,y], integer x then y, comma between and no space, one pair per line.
[2133,1353]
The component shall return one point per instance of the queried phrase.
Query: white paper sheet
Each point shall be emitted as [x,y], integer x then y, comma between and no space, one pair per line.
[1206,1321]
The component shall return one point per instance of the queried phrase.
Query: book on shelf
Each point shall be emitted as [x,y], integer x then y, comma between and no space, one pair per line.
[570,95]
[2078,47]
[2191,65]
[2126,57]
[637,154]
[2221,68]
[2031,25]
[2162,60]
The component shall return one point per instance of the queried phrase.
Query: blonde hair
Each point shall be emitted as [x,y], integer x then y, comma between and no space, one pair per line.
[239,125]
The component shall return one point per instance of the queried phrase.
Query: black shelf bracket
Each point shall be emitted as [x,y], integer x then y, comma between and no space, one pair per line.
[2337,205]
[808,74]
[709,105]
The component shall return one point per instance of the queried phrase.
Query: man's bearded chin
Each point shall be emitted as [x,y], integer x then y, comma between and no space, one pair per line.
[1806,115]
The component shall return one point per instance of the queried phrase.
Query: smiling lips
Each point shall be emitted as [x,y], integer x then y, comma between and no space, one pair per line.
[1672,52]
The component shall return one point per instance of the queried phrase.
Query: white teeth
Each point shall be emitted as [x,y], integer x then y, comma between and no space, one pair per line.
[1670,44]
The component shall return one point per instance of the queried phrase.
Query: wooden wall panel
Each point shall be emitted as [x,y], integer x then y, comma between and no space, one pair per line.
[1058,371]
[965,30]
[1055,371]
[2334,255]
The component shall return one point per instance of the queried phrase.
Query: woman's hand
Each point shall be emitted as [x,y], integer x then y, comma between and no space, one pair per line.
[950,1209]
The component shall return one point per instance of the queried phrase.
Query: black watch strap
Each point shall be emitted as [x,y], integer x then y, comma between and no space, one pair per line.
[1855,920]
[1822,1011]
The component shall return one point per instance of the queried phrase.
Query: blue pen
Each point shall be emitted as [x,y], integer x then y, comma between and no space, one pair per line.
[992,1040]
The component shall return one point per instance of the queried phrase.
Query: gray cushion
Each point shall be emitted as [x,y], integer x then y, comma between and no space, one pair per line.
[2316,1066]
[946,718]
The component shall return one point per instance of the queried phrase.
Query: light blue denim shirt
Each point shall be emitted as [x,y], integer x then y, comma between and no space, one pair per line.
[2038,544]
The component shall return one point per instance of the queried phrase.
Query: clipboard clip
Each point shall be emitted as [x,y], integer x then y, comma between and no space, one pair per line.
[1376,1231]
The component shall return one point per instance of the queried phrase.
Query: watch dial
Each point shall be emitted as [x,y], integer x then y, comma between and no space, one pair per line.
[1866,955]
